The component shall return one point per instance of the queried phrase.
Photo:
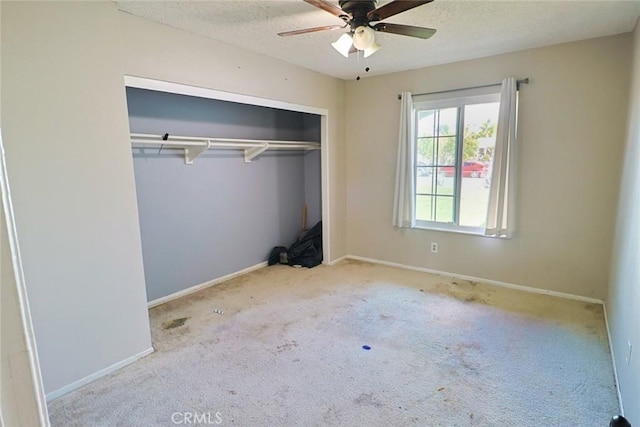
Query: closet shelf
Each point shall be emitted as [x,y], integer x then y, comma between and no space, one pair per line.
[194,146]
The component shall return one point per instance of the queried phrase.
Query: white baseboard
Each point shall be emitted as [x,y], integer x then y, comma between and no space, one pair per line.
[336,261]
[101,373]
[196,288]
[613,359]
[478,279]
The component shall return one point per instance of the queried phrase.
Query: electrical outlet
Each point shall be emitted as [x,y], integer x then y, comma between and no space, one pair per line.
[628,356]
[434,247]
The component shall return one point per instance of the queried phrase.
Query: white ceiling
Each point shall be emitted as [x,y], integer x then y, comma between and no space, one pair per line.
[466,29]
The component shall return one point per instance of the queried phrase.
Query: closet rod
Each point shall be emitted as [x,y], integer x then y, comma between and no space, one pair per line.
[139,138]
[176,144]
[215,144]
[194,146]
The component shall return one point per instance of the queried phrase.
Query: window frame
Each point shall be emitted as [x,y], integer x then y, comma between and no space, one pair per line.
[442,102]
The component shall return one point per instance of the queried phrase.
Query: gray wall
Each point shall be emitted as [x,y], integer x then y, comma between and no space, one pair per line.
[160,112]
[312,172]
[220,215]
[312,187]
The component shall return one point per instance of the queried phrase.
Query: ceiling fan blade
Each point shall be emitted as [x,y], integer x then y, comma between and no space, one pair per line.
[393,8]
[310,30]
[330,7]
[405,30]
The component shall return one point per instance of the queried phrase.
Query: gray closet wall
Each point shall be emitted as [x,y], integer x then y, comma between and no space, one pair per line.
[220,215]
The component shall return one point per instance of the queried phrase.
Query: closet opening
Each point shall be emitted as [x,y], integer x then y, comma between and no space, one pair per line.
[221,179]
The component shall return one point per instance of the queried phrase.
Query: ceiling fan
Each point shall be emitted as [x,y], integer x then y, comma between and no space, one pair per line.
[358,15]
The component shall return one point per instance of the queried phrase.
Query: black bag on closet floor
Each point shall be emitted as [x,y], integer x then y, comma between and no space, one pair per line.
[306,251]
[278,255]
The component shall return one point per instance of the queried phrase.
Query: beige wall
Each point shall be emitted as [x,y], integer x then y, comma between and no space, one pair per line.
[160,52]
[571,139]
[66,137]
[20,387]
[623,302]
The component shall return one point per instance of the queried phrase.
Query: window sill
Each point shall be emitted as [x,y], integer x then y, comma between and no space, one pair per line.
[472,232]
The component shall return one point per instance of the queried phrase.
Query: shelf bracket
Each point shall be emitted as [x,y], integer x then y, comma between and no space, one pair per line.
[251,153]
[190,153]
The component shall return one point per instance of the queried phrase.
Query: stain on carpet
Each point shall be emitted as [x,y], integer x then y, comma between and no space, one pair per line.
[368,399]
[594,308]
[175,323]
[286,347]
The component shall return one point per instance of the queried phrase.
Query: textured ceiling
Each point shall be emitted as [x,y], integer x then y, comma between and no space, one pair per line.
[466,29]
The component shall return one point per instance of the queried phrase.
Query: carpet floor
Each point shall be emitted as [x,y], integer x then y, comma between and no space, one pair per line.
[358,344]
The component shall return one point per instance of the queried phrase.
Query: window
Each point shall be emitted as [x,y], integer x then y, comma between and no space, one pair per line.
[454,146]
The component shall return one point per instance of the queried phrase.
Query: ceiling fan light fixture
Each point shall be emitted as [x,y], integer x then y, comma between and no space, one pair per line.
[364,19]
[371,50]
[343,45]
[363,37]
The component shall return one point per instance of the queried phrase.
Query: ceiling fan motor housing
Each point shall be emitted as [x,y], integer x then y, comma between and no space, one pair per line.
[358,9]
